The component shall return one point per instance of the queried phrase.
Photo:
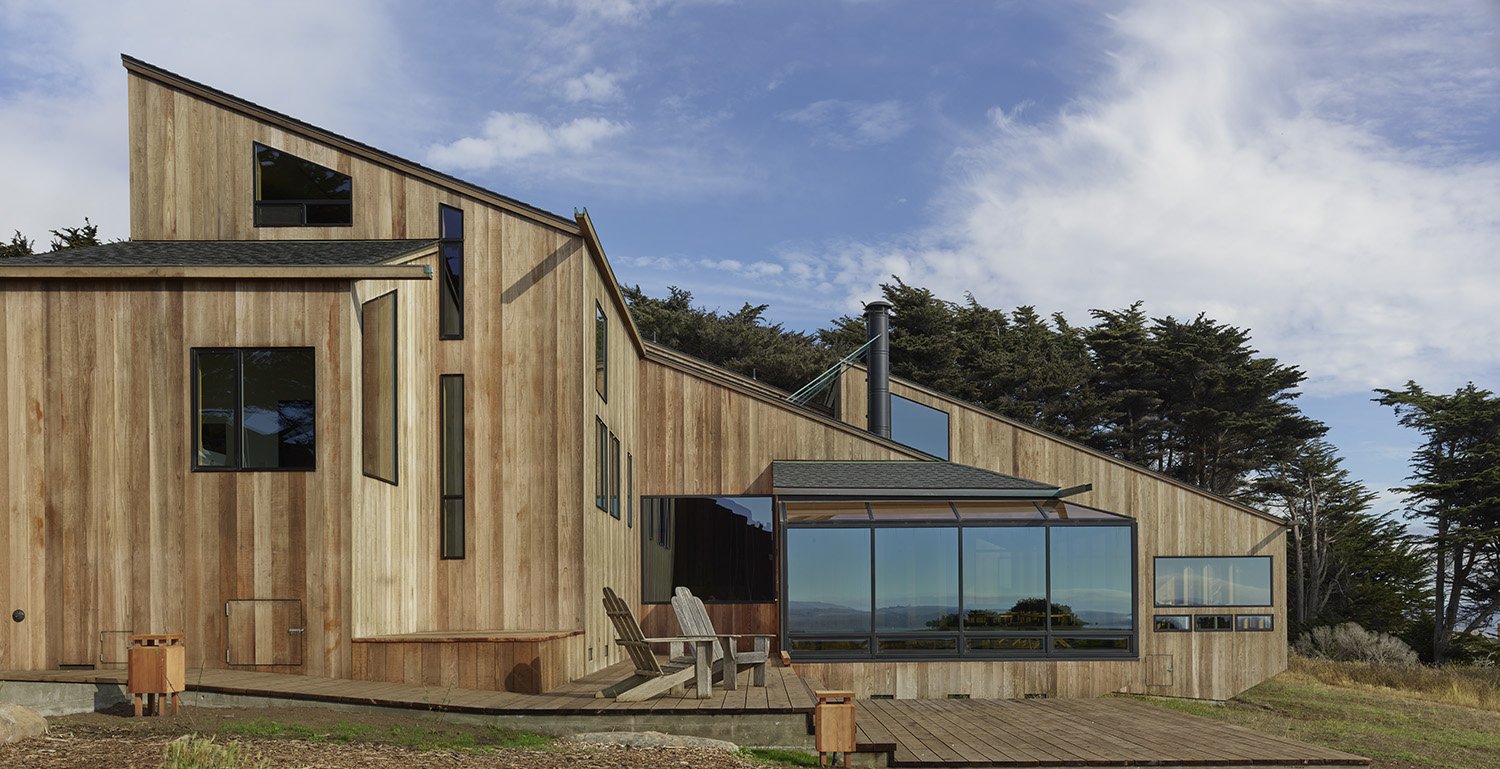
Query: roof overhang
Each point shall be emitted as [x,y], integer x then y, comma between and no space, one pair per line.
[215,272]
[885,493]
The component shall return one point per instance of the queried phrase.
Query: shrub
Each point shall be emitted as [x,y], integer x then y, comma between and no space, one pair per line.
[1348,642]
[194,752]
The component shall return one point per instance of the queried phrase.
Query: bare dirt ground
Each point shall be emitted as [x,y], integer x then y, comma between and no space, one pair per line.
[316,738]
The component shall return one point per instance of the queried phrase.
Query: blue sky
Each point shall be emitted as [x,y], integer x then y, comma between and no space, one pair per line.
[1326,174]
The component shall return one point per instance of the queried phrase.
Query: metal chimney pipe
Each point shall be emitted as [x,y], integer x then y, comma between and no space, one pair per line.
[878,361]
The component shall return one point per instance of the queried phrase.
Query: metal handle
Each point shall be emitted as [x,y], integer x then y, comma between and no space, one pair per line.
[295,630]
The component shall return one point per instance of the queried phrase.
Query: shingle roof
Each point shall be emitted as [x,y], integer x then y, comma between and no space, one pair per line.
[913,477]
[227,253]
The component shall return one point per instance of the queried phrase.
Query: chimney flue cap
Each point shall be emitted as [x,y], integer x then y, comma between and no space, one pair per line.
[878,305]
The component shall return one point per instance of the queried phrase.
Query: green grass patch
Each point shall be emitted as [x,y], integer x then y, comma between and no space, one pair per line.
[468,740]
[194,752]
[1356,709]
[779,757]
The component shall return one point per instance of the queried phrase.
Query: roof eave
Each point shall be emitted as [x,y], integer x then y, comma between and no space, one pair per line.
[216,272]
[851,493]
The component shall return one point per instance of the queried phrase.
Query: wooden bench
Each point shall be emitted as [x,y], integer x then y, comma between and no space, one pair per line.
[523,661]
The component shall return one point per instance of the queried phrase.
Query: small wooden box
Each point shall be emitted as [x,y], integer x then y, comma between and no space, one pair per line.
[833,723]
[157,670]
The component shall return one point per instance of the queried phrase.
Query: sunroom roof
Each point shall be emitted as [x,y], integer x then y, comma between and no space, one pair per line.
[902,478]
[237,253]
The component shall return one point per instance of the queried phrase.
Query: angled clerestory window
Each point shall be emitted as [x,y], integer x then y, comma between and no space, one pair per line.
[292,192]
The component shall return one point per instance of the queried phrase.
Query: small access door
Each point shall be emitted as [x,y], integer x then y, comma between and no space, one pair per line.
[264,631]
[1158,670]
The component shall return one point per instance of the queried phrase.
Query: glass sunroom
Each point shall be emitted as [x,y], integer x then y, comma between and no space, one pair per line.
[930,560]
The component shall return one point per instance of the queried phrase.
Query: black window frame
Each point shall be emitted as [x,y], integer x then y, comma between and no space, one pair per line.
[601,464]
[449,282]
[1187,623]
[1270,589]
[614,476]
[629,490]
[257,215]
[1270,623]
[443,465]
[658,531]
[601,352]
[788,640]
[1228,618]
[239,389]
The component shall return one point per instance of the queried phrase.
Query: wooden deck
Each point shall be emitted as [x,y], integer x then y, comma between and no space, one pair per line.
[784,693]
[1111,731]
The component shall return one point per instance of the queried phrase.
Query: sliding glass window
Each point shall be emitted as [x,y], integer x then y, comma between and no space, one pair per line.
[451,260]
[255,409]
[926,579]
[451,463]
[1213,581]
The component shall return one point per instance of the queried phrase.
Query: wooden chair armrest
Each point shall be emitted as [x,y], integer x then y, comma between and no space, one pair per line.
[678,639]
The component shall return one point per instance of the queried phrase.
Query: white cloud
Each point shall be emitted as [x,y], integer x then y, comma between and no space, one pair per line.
[1242,160]
[62,95]
[853,123]
[596,86]
[509,137]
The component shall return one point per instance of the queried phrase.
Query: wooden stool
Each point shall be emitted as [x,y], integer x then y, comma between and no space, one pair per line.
[833,724]
[157,669]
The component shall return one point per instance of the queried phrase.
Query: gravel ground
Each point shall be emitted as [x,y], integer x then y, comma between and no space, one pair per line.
[96,741]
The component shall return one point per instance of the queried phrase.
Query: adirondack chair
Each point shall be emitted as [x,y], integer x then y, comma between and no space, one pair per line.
[651,677]
[693,618]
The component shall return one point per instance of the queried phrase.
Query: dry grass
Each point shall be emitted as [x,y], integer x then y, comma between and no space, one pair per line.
[1467,687]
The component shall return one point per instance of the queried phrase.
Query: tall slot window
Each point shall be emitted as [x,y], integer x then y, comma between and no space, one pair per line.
[629,491]
[601,465]
[451,255]
[378,417]
[614,475]
[451,463]
[254,409]
[292,192]
[601,353]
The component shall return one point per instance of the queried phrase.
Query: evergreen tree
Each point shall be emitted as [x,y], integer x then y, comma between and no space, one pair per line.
[19,245]
[1128,385]
[1455,491]
[75,237]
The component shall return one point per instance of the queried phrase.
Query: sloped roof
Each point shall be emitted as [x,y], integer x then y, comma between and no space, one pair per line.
[227,253]
[900,478]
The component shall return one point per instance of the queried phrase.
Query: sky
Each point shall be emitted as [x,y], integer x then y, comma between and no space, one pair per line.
[1326,174]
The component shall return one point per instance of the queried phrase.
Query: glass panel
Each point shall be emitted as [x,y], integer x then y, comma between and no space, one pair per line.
[378,412]
[912,511]
[452,407]
[721,548]
[451,314]
[1254,622]
[1213,581]
[453,528]
[1091,644]
[630,492]
[1172,623]
[1069,511]
[218,440]
[282,176]
[601,353]
[1091,577]
[916,579]
[998,511]
[277,408]
[1005,578]
[827,511]
[1212,622]
[827,580]
[601,465]
[919,426]
[1004,644]
[614,476]
[830,645]
[917,644]
[450,223]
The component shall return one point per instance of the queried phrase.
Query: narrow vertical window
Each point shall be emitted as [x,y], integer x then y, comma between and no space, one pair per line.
[614,476]
[629,491]
[601,465]
[451,462]
[377,321]
[601,353]
[451,255]
[216,390]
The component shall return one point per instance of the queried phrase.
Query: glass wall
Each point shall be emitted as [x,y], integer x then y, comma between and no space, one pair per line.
[721,548]
[933,579]
[919,426]
[1214,581]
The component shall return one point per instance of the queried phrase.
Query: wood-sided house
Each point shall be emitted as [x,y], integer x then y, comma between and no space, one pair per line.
[331,412]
